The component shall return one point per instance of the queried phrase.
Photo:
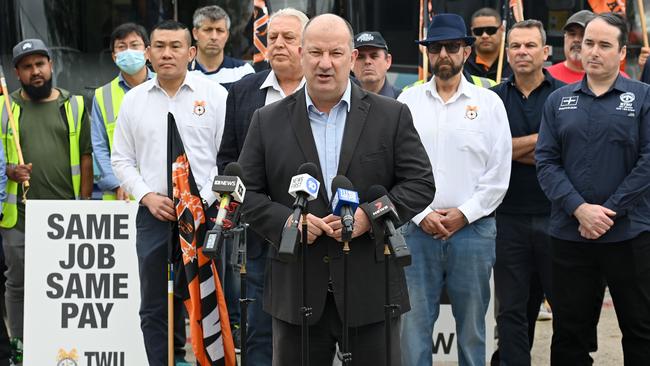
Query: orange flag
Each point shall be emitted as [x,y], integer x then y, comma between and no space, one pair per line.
[607,6]
[212,341]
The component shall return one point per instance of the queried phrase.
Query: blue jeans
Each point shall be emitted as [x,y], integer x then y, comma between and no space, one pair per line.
[462,264]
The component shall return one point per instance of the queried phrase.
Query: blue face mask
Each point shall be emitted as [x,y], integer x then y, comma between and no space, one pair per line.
[130,61]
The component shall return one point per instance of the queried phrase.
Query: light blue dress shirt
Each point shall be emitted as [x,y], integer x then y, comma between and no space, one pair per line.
[101,151]
[327,129]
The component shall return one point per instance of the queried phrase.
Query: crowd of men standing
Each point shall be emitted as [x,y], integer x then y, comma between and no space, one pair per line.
[542,180]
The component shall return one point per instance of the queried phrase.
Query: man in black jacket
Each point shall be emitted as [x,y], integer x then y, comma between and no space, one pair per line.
[344,131]
[245,97]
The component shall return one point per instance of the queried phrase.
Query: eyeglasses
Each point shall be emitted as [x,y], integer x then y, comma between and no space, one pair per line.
[478,31]
[436,48]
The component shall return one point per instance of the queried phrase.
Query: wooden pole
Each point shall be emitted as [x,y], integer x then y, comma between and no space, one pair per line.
[644,29]
[12,125]
[501,52]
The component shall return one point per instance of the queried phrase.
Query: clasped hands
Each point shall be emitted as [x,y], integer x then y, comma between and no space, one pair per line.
[595,220]
[443,223]
[331,226]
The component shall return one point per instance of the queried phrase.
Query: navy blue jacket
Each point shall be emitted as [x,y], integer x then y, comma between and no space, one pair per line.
[597,150]
[244,98]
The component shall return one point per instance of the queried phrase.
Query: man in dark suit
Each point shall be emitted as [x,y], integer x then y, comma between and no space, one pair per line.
[245,97]
[343,130]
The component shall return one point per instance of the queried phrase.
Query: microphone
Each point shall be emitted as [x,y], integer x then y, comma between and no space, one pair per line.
[304,187]
[230,188]
[344,203]
[383,212]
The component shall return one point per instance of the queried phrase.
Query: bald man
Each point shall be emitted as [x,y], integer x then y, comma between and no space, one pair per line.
[345,131]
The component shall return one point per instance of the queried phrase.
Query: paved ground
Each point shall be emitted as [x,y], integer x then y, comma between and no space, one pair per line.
[609,341]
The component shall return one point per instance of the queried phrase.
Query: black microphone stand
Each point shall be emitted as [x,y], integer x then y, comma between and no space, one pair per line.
[346,355]
[240,232]
[388,307]
[304,309]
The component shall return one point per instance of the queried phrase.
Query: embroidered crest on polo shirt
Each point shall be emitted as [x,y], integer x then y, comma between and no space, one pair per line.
[626,102]
[569,103]
[471,112]
[199,107]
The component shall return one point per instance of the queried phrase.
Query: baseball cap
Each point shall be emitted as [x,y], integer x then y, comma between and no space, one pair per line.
[370,39]
[29,47]
[580,18]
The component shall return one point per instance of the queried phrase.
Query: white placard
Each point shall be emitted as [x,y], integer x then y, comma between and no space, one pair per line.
[82,292]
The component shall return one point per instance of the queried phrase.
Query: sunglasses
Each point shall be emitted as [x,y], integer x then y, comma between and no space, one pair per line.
[478,31]
[436,48]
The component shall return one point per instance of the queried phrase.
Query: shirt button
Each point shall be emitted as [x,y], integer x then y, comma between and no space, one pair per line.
[326,259]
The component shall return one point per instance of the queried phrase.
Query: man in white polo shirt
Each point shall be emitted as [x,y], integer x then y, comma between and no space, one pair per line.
[465,131]
[139,161]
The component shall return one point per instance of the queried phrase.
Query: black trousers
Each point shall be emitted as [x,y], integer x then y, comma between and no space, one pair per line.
[522,275]
[578,269]
[367,342]
[151,243]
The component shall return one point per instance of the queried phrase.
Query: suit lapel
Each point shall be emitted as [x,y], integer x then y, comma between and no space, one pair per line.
[354,124]
[299,120]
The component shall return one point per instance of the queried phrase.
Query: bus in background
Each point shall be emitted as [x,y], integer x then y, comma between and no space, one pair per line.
[77,31]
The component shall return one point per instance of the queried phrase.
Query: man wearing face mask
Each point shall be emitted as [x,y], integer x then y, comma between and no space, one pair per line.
[55,138]
[128,42]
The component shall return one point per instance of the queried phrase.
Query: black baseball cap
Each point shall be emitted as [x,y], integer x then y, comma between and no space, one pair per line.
[29,47]
[580,18]
[370,39]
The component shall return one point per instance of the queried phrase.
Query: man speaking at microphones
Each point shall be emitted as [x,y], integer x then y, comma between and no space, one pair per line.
[343,131]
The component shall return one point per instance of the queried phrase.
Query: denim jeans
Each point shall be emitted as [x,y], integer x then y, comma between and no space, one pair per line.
[462,264]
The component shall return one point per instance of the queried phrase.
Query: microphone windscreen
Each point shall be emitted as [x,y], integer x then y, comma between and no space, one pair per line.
[308,168]
[375,191]
[233,169]
[340,181]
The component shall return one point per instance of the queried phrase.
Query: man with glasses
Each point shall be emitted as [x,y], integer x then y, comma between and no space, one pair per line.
[453,240]
[487,28]
[128,42]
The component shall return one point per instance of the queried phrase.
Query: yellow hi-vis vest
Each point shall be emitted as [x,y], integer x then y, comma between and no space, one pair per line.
[74,108]
[109,99]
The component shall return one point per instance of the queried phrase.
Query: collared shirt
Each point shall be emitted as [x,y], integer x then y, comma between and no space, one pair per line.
[273,90]
[596,149]
[476,66]
[389,90]
[140,145]
[561,72]
[327,129]
[230,70]
[468,143]
[524,194]
[101,151]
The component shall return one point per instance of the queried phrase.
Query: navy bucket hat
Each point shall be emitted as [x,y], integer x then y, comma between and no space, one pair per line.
[447,27]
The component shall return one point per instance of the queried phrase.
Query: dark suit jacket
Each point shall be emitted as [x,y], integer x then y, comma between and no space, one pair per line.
[244,98]
[380,146]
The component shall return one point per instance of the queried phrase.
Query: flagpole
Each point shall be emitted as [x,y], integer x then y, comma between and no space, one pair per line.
[644,28]
[12,124]
[504,25]
[170,314]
